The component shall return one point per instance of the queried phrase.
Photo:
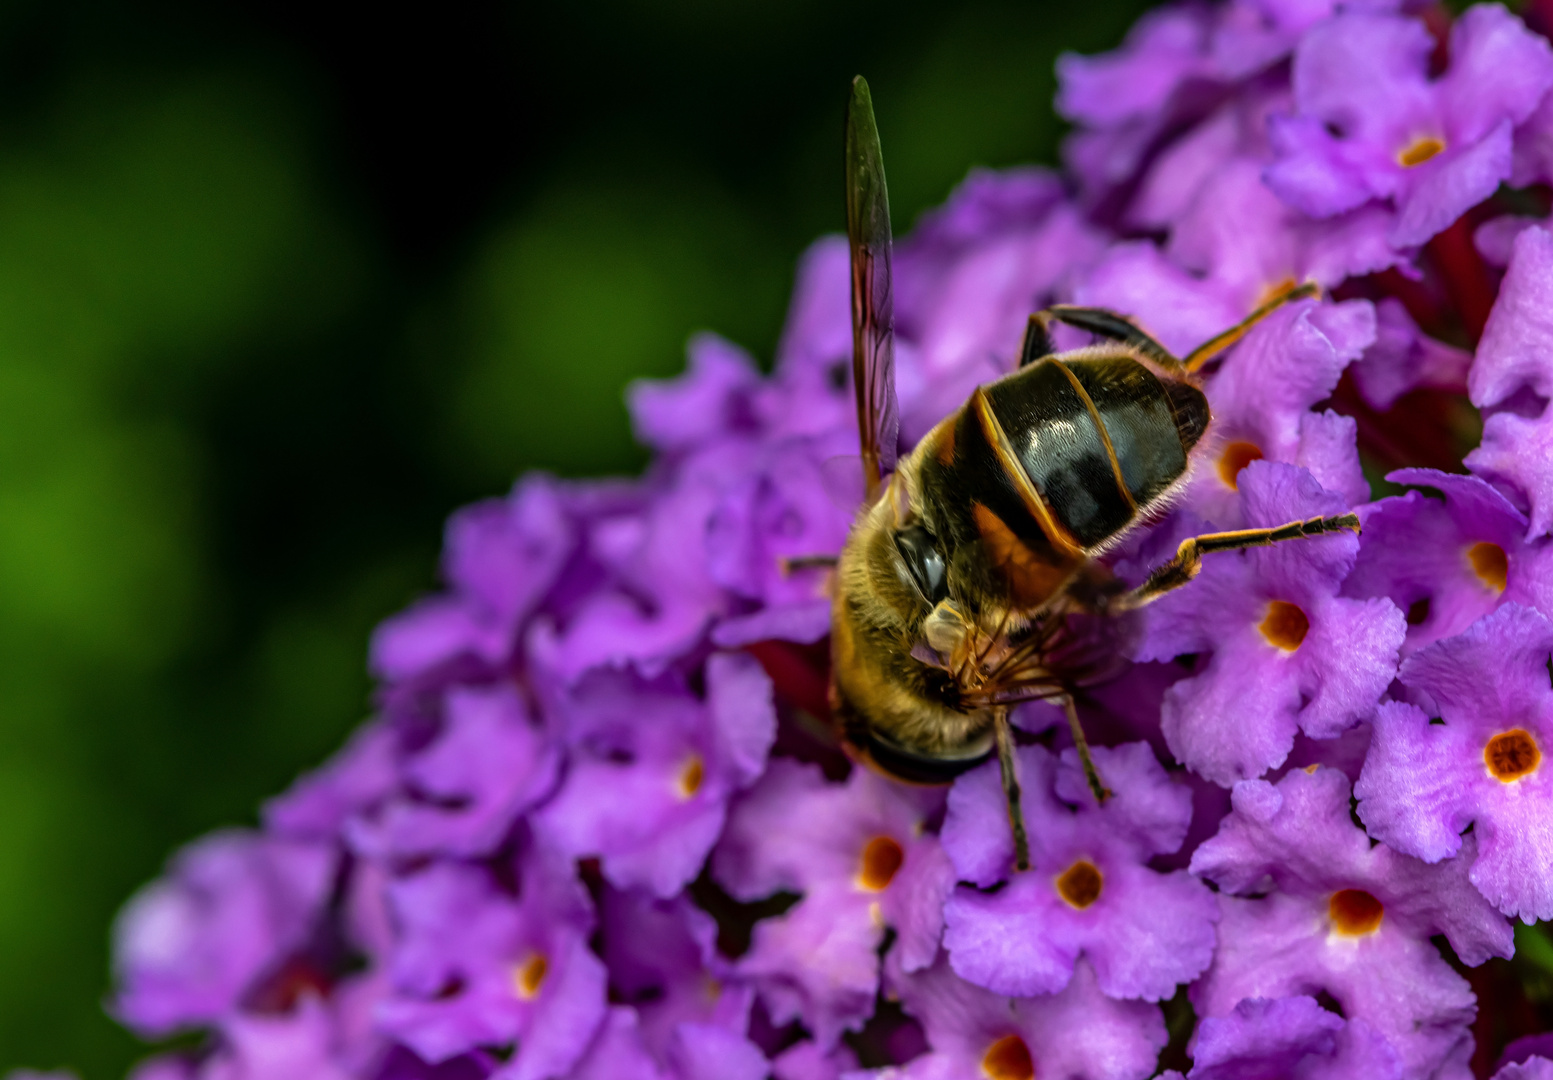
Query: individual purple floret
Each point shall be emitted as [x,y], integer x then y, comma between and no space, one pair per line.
[1248,244]
[301,1043]
[462,792]
[1288,653]
[1340,916]
[1123,99]
[1163,50]
[662,958]
[478,967]
[782,508]
[1495,238]
[1248,35]
[806,1061]
[648,603]
[694,1052]
[1448,563]
[857,853]
[1369,122]
[653,766]
[1089,891]
[1078,1032]
[1526,1047]
[1424,783]
[1534,1068]
[1511,381]
[1262,397]
[714,398]
[617,1051]
[1403,358]
[1290,1038]
[969,277]
[501,557]
[363,773]
[234,908]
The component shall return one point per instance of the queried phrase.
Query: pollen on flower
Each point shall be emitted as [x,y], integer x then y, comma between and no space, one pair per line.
[1079,885]
[1008,1059]
[1419,151]
[529,976]
[1285,625]
[1490,564]
[1511,755]
[1236,456]
[1355,912]
[690,776]
[882,857]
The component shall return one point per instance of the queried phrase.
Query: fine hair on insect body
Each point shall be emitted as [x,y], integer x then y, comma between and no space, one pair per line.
[969,582]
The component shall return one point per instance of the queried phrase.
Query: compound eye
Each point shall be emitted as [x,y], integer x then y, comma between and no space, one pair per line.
[920,551]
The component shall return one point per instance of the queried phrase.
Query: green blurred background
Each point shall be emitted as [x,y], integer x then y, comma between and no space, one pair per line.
[281,286]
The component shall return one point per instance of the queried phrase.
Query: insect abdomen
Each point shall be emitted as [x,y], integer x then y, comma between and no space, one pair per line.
[1096,437]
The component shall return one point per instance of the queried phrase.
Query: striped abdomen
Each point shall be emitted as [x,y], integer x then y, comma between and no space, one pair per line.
[1050,462]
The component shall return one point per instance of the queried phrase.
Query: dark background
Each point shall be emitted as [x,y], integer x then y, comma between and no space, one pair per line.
[280,287]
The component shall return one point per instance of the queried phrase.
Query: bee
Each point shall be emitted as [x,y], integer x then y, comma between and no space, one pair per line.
[971,580]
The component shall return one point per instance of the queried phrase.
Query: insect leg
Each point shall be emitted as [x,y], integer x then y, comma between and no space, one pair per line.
[1218,343]
[1004,735]
[1071,707]
[1099,321]
[1188,558]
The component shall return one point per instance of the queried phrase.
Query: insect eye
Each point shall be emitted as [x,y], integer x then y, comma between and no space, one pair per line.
[918,548]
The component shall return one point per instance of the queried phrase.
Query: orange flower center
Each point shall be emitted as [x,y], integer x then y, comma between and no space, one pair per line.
[1236,456]
[882,857]
[528,976]
[1008,1059]
[1511,755]
[1355,912]
[1285,626]
[690,776]
[1419,151]
[1489,564]
[1080,884]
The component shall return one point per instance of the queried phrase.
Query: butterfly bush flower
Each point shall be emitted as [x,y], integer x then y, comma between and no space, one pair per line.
[599,825]
[1424,783]
[475,966]
[1291,1038]
[1343,917]
[652,768]
[1089,891]
[1369,122]
[1448,564]
[1284,645]
[1511,382]
[858,856]
[1075,1032]
[236,905]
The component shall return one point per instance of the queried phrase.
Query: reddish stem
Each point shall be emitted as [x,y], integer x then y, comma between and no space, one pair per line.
[801,674]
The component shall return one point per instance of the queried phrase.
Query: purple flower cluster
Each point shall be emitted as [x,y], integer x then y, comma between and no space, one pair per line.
[599,828]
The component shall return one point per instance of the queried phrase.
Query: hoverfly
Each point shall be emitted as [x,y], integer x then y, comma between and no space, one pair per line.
[970,582]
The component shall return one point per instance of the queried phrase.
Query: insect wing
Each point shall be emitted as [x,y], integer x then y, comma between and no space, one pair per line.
[873,308]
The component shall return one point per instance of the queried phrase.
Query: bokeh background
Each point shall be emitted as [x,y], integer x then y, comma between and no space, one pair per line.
[280,287]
